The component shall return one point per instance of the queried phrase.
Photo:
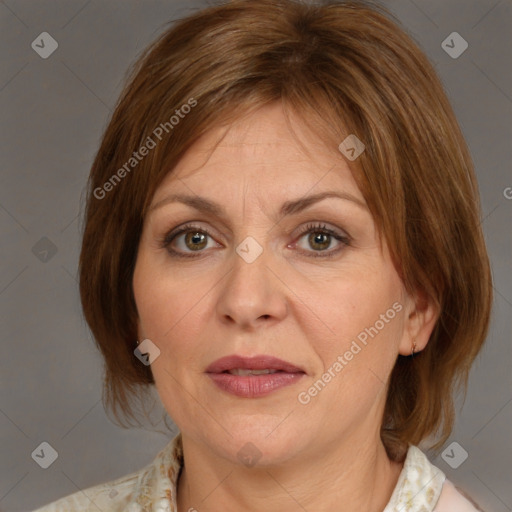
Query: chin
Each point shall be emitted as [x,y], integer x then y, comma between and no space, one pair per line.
[260,444]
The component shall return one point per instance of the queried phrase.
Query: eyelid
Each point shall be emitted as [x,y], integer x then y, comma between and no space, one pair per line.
[195,224]
[323,226]
[184,228]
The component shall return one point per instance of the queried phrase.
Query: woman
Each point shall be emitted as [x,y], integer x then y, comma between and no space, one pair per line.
[283,212]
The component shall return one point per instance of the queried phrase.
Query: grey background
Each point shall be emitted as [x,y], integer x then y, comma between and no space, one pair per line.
[53,113]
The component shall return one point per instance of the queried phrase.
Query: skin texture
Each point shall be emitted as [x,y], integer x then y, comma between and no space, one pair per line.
[326,454]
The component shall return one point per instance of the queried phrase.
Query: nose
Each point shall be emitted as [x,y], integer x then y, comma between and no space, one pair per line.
[253,294]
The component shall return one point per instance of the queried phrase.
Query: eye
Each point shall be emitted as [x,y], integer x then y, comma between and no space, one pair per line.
[195,239]
[320,238]
[190,239]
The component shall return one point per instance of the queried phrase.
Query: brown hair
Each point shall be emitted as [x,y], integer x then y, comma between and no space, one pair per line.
[347,68]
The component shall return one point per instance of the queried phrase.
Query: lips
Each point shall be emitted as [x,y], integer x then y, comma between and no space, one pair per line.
[231,364]
[253,377]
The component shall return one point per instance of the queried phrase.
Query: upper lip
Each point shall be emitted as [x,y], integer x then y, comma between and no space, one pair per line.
[262,362]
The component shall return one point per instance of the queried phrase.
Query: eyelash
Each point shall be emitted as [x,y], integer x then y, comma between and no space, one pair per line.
[166,241]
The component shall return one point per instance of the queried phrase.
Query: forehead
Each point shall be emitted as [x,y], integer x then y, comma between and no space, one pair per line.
[266,152]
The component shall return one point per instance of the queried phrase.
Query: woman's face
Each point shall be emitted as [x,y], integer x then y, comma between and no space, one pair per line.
[308,285]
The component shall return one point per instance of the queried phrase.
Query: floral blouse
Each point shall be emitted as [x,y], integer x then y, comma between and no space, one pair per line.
[421,487]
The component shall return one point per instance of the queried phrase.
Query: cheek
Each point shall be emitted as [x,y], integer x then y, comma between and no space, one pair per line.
[353,304]
[155,297]
[365,317]
[171,314]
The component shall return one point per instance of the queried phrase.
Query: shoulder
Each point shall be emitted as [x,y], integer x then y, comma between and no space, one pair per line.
[419,485]
[423,487]
[451,500]
[155,482]
[114,496]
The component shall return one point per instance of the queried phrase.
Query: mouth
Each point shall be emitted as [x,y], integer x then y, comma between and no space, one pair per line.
[253,377]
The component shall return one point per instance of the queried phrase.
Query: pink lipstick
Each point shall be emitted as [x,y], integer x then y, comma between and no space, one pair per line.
[252,377]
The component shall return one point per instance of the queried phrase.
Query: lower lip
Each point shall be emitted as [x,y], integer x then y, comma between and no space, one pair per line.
[253,386]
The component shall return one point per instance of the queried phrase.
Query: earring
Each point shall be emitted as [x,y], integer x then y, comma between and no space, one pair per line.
[413,348]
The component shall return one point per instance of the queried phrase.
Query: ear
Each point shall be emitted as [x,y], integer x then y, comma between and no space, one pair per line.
[420,318]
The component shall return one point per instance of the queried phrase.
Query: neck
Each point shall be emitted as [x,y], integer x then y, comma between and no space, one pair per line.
[353,475]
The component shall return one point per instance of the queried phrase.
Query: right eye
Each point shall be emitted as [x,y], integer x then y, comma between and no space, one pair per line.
[193,239]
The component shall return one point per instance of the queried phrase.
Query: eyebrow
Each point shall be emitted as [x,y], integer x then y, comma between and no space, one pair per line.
[288,207]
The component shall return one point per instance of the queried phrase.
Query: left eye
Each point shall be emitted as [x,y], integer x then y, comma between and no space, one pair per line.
[320,238]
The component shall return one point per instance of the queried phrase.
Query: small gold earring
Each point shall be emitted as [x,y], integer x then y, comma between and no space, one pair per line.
[413,348]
